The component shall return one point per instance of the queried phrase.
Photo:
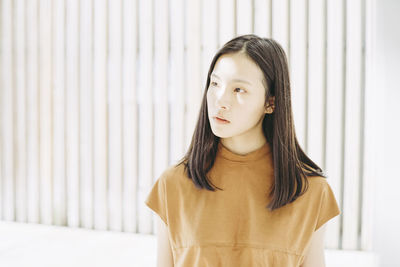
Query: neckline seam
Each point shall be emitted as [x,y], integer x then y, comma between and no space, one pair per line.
[253,156]
[246,161]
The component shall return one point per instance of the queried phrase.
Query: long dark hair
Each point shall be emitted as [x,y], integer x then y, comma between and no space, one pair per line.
[291,164]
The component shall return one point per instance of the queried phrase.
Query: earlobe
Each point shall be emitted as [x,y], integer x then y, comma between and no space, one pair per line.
[271,106]
[269,109]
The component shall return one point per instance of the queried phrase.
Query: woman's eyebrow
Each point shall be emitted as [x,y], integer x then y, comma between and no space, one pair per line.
[234,80]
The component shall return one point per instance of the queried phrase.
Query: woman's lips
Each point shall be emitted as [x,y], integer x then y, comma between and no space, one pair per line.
[221,121]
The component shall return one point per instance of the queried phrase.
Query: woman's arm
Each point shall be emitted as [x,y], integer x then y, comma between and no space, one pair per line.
[315,256]
[164,252]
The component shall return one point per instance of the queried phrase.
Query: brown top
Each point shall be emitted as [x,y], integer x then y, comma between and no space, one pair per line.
[233,227]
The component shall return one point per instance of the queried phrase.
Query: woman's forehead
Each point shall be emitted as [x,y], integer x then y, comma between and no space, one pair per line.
[237,67]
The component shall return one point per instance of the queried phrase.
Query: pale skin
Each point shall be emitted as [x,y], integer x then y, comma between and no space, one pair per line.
[164,251]
[237,93]
[242,103]
[315,256]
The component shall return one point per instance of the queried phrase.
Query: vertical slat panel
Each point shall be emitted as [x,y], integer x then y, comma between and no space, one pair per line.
[7,107]
[316,73]
[72,114]
[46,133]
[145,95]
[176,88]
[20,171]
[32,89]
[59,170]
[351,205]
[335,105]
[244,17]
[227,23]
[192,75]
[209,37]
[371,130]
[87,51]
[86,114]
[114,114]
[280,23]
[161,118]
[100,114]
[262,18]
[298,65]
[129,59]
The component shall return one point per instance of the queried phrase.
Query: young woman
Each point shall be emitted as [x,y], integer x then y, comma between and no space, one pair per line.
[245,193]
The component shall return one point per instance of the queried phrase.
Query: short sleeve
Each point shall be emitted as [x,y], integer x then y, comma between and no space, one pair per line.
[156,199]
[328,206]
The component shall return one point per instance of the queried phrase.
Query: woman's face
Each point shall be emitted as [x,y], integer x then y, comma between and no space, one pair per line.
[237,94]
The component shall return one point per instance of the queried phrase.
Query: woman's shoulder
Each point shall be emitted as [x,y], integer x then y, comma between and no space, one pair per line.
[173,173]
[317,183]
[317,179]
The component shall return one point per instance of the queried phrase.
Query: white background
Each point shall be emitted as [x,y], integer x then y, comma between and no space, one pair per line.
[387,227]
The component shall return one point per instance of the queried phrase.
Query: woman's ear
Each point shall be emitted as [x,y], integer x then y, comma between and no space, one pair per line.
[271,106]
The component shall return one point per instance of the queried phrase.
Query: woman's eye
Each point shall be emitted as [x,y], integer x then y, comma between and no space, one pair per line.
[213,83]
[216,84]
[240,89]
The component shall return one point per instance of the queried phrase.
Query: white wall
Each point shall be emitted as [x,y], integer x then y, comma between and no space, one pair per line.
[387,227]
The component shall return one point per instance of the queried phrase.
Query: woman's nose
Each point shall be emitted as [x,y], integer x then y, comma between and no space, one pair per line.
[223,99]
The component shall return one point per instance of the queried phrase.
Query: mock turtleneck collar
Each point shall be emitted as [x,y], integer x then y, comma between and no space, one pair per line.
[225,153]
